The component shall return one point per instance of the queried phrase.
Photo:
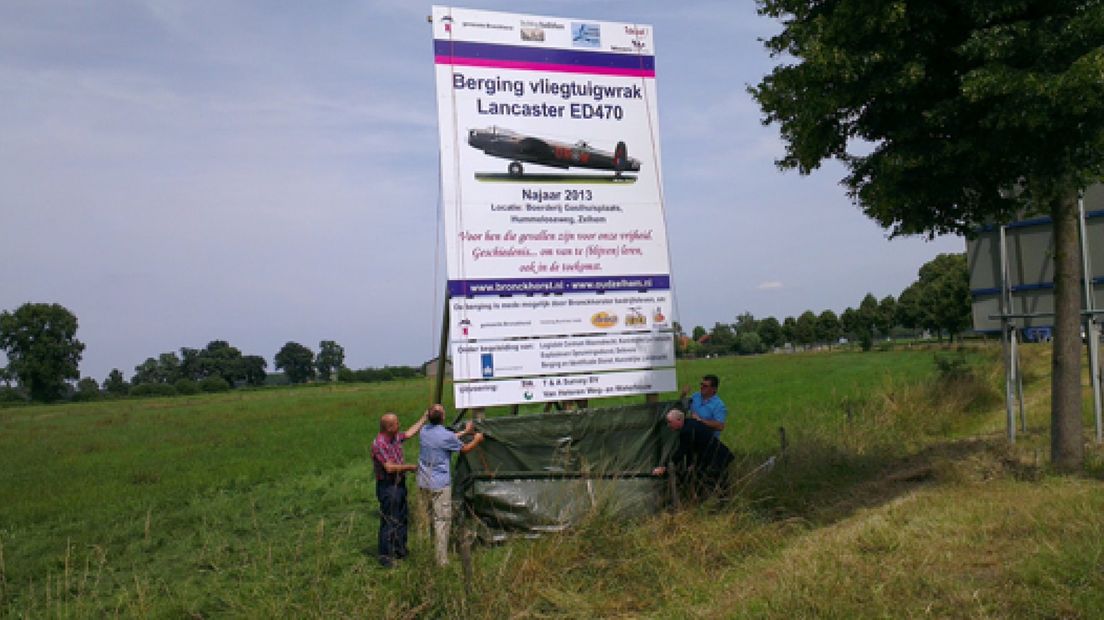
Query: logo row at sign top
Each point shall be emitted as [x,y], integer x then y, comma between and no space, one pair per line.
[532,31]
[483,318]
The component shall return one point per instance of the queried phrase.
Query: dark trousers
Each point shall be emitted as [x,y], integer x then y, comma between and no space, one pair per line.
[394,515]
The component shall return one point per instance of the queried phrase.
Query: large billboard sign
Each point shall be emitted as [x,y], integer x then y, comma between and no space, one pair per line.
[1029,247]
[556,241]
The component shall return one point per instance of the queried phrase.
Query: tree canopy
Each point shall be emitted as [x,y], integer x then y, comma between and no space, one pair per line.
[297,361]
[950,114]
[331,358]
[40,341]
[939,109]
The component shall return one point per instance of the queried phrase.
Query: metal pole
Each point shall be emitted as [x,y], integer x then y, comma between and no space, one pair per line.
[1018,371]
[442,351]
[1006,343]
[1090,319]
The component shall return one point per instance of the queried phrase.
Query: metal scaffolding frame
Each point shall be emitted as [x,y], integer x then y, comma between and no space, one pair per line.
[1013,377]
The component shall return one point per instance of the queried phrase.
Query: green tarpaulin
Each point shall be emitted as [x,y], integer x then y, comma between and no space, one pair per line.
[545,472]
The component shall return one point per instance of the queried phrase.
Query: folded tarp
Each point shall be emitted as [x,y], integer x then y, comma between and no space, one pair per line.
[546,472]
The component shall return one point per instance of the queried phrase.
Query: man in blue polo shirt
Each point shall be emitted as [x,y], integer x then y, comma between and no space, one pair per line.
[706,407]
[435,475]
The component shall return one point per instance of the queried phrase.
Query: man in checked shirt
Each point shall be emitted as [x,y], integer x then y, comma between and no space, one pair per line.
[387,459]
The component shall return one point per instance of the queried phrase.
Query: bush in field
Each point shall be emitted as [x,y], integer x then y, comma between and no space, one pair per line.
[953,366]
[186,386]
[115,384]
[214,384]
[10,395]
[153,389]
[87,389]
[749,344]
[372,375]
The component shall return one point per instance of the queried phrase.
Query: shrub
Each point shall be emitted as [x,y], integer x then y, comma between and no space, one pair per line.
[11,396]
[186,386]
[153,389]
[953,366]
[214,384]
[87,389]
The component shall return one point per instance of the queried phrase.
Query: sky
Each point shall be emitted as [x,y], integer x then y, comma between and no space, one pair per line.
[263,172]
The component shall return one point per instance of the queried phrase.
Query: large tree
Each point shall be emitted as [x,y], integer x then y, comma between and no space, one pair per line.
[945,293]
[887,315]
[805,328]
[949,114]
[40,341]
[770,332]
[221,359]
[331,358]
[254,369]
[297,361]
[867,320]
[828,328]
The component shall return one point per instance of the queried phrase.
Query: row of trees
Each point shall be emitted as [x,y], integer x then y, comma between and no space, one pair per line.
[44,355]
[222,362]
[938,301]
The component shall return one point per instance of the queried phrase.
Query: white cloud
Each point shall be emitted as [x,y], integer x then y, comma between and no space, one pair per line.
[768,285]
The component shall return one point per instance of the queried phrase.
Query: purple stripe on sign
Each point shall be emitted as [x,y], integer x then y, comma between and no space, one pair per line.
[529,66]
[543,59]
[528,286]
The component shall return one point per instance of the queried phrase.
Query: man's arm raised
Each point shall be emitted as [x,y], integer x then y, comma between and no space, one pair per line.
[417,426]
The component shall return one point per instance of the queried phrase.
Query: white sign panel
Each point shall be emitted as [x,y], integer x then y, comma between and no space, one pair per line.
[488,359]
[567,387]
[551,178]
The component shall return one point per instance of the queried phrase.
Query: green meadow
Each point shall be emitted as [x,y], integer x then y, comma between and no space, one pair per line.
[897,496]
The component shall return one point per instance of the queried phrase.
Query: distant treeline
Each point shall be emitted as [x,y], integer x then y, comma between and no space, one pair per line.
[938,302]
[373,375]
[217,367]
[43,352]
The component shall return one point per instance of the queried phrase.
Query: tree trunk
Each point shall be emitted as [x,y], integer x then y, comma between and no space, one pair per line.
[1066,439]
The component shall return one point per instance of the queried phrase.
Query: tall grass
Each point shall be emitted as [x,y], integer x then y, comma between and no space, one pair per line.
[894,497]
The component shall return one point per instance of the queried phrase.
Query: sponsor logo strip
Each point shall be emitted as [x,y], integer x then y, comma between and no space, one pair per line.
[542,59]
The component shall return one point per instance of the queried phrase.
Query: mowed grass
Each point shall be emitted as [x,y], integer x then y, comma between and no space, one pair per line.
[896,497]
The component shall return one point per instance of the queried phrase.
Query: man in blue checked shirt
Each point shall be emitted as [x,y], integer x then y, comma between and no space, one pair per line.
[706,407]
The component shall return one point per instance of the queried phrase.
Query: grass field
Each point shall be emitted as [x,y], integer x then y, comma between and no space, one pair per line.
[897,497]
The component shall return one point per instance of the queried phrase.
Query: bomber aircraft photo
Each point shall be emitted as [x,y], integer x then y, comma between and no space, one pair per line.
[506,144]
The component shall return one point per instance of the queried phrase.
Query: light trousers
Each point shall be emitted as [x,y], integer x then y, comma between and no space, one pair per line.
[437,507]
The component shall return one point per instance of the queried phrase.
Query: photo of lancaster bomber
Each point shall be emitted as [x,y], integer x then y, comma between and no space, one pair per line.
[506,144]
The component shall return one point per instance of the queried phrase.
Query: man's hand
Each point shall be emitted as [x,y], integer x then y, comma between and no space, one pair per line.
[659,471]
[476,440]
